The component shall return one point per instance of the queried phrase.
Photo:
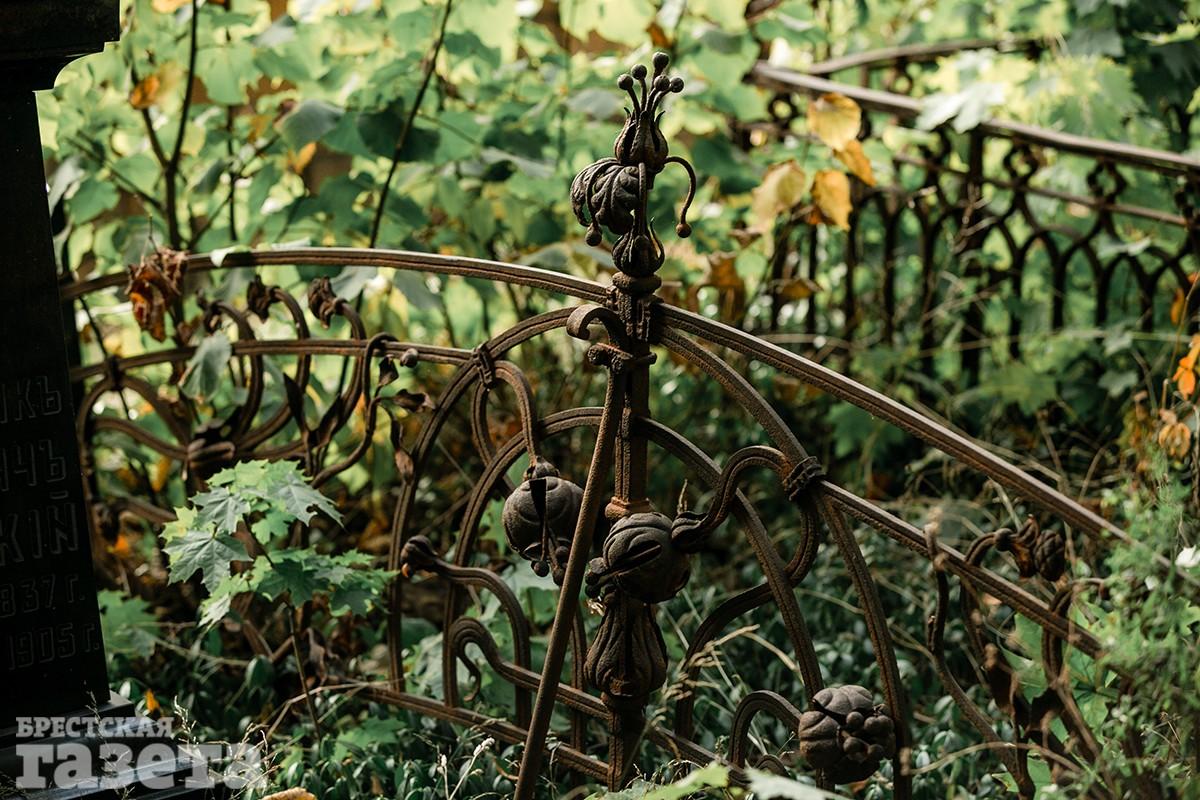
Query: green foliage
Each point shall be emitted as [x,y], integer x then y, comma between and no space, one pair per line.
[264,499]
[127,624]
[1152,635]
[714,781]
[287,131]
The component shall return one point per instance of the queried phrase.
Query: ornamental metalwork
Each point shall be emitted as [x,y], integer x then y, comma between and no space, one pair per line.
[1000,212]
[597,535]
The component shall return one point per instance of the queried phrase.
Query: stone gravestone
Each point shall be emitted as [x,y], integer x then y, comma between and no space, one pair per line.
[51,653]
[52,662]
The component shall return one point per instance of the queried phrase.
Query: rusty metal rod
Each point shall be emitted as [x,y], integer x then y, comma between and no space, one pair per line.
[568,598]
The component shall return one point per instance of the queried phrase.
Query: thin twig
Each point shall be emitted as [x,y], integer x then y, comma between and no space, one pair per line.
[171,168]
[402,139]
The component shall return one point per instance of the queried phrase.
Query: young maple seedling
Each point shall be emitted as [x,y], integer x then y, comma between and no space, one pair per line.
[267,498]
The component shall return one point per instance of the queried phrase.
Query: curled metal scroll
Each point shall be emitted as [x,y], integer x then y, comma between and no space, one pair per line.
[631,556]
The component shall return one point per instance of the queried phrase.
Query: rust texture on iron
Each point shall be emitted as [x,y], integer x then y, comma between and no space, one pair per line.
[612,548]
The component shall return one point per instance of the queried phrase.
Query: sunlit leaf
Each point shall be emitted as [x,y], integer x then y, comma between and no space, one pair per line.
[781,190]
[834,119]
[856,161]
[831,198]
[145,94]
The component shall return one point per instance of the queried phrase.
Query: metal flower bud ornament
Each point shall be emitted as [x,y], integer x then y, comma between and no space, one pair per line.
[612,193]
[540,516]
[845,734]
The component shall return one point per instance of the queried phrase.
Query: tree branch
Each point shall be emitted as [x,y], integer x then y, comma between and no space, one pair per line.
[430,65]
[171,168]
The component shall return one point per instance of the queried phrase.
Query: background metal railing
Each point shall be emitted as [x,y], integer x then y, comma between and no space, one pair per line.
[1011,228]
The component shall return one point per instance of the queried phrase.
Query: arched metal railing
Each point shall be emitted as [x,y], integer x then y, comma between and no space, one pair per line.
[604,538]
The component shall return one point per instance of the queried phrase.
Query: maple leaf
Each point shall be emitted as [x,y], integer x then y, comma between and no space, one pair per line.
[291,572]
[206,552]
[222,508]
[288,488]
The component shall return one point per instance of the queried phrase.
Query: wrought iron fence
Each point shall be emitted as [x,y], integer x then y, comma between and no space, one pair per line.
[602,537]
[894,69]
[1011,229]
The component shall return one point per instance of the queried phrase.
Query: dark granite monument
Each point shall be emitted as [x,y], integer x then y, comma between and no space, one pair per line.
[51,653]
[52,663]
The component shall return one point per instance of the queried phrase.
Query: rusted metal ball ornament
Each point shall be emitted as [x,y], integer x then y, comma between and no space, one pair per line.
[523,520]
[642,559]
[845,734]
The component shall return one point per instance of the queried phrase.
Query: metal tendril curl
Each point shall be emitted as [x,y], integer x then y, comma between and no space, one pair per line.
[612,193]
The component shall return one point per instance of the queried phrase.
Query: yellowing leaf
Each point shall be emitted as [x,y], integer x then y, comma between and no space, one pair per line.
[834,119]
[797,289]
[122,547]
[1185,373]
[1193,353]
[724,278]
[127,477]
[145,94]
[151,702]
[168,6]
[831,198]
[781,190]
[1177,306]
[856,160]
[259,123]
[162,471]
[297,161]
[1185,379]
[291,794]
[723,273]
